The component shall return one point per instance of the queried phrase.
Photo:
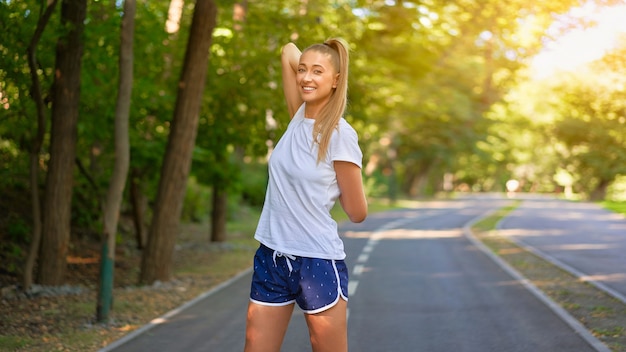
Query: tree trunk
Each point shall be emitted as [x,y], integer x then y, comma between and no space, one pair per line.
[139,203]
[418,179]
[36,147]
[157,257]
[219,214]
[599,193]
[122,160]
[65,99]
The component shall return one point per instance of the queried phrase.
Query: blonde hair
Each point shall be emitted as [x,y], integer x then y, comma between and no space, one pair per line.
[329,115]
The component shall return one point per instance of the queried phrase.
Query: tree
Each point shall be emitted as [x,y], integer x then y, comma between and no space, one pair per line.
[157,258]
[59,180]
[122,160]
[443,66]
[37,95]
[153,98]
[591,124]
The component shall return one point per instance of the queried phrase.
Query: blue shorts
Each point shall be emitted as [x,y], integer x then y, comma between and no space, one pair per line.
[280,279]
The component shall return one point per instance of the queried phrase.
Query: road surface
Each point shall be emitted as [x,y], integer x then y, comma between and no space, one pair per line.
[417,284]
[581,237]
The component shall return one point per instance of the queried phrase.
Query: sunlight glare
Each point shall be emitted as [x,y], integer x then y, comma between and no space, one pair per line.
[581,46]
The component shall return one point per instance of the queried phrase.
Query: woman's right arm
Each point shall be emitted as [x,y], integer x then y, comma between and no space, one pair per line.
[290,57]
[350,182]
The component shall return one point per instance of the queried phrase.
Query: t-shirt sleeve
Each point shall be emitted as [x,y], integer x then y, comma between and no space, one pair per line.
[344,145]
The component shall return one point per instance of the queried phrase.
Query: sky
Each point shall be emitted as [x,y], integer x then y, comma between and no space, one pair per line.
[581,46]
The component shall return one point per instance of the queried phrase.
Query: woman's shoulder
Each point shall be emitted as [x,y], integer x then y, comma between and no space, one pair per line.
[345,131]
[344,125]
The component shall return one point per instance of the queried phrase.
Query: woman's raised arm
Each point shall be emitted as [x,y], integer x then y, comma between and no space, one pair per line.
[290,57]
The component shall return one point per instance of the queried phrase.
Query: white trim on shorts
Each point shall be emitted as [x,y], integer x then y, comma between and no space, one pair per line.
[270,304]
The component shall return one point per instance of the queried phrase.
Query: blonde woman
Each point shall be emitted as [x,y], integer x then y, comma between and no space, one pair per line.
[316,162]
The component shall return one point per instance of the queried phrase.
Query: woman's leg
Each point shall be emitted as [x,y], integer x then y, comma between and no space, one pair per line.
[329,329]
[266,327]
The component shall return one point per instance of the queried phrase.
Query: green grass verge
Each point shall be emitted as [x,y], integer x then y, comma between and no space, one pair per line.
[489,223]
[11,343]
[618,207]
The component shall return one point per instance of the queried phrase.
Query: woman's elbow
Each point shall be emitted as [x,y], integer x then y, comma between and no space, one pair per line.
[288,46]
[290,52]
[358,216]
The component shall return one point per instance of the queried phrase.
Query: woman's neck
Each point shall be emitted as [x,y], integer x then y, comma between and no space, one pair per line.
[311,111]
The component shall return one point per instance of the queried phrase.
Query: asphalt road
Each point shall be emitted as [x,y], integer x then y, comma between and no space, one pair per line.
[418,283]
[581,237]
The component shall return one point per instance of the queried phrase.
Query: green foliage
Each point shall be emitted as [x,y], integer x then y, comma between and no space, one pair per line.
[13,165]
[254,184]
[430,96]
[617,190]
[12,247]
[13,343]
[18,229]
[17,110]
[431,78]
[197,203]
[11,253]
[248,190]
[433,70]
[380,183]
[591,125]
[616,206]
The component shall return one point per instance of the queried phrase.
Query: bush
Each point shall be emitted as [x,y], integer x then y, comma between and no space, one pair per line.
[617,190]
[197,203]
[254,184]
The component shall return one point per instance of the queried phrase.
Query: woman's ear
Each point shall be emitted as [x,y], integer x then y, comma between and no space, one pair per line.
[336,80]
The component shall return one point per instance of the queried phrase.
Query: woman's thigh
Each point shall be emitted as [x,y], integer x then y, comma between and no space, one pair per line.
[266,326]
[329,329]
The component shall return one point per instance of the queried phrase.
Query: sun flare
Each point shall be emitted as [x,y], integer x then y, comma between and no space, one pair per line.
[580,46]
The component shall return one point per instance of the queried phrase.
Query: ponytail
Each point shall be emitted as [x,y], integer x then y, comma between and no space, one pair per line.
[332,112]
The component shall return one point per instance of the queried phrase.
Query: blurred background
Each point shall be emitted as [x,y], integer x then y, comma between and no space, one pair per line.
[448,97]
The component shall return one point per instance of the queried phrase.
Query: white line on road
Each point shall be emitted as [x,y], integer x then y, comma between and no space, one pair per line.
[368,249]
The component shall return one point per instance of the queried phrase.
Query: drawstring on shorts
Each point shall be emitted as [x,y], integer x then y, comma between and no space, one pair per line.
[288,258]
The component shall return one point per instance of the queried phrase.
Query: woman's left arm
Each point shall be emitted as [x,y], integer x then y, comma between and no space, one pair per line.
[352,197]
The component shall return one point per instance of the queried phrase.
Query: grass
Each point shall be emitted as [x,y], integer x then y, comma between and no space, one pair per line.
[599,312]
[10,343]
[618,207]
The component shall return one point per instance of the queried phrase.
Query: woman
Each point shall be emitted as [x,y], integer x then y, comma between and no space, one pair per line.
[316,162]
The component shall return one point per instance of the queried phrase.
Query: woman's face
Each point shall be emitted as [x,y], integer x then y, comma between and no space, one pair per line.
[316,77]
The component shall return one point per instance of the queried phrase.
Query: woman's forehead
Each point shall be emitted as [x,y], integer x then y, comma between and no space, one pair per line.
[315,58]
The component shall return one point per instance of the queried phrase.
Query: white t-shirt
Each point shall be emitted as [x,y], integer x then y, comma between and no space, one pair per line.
[300,193]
